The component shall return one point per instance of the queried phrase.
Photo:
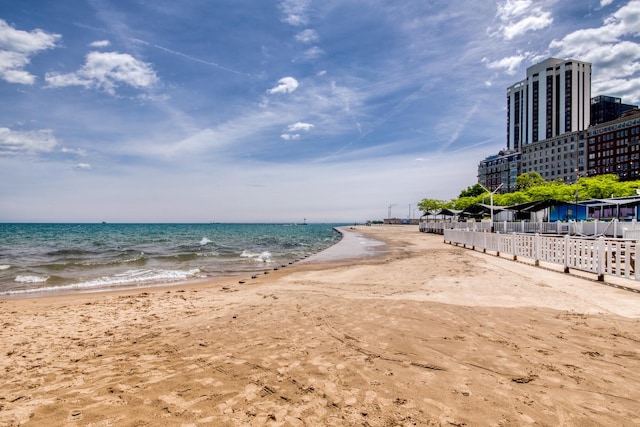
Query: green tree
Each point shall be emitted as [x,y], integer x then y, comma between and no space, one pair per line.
[533,187]
[430,205]
[510,199]
[528,180]
[474,190]
[464,202]
[601,187]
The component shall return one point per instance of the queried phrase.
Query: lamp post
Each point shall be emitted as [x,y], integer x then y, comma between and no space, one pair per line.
[390,206]
[491,193]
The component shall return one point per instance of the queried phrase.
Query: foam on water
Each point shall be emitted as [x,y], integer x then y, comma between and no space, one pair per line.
[5,267]
[265,256]
[31,279]
[132,277]
[247,254]
[204,241]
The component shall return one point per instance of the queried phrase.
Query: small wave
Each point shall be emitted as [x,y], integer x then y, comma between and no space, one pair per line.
[208,254]
[131,277]
[5,267]
[204,241]
[31,279]
[136,258]
[262,257]
[185,257]
[69,252]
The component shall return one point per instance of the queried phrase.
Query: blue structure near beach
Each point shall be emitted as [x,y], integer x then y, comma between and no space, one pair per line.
[568,212]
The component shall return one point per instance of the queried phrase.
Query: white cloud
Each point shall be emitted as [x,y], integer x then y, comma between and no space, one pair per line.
[285,85]
[518,17]
[604,3]
[83,166]
[307,36]
[510,64]
[16,49]
[31,142]
[613,50]
[77,151]
[299,126]
[294,12]
[107,70]
[296,127]
[101,43]
[312,53]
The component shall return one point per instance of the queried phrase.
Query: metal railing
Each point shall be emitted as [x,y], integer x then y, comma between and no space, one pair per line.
[599,255]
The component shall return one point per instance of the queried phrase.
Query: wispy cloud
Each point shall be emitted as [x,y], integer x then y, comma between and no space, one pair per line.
[295,12]
[192,58]
[307,36]
[101,43]
[454,126]
[312,53]
[509,64]
[517,17]
[299,126]
[77,151]
[296,127]
[16,49]
[14,142]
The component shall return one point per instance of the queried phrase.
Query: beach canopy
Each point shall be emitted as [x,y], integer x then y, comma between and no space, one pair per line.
[535,206]
[620,201]
[480,209]
[449,212]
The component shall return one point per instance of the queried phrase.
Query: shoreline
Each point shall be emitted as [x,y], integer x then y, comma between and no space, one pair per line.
[347,247]
[422,332]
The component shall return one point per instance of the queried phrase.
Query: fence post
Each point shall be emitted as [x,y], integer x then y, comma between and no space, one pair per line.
[615,228]
[566,253]
[600,246]
[537,249]
[634,252]
[513,246]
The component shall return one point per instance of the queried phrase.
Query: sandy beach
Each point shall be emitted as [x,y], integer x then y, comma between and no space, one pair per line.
[424,333]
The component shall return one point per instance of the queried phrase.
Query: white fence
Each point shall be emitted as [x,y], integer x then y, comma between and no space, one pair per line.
[613,228]
[595,255]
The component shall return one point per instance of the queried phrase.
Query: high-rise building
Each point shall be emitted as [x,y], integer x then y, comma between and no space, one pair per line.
[607,108]
[554,99]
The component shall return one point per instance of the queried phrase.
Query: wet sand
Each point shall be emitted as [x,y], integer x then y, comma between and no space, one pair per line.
[424,333]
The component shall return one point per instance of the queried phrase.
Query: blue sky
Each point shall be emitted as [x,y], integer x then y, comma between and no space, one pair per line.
[251,111]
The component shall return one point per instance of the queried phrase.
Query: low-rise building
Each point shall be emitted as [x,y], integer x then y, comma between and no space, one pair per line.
[502,168]
[560,158]
[614,147]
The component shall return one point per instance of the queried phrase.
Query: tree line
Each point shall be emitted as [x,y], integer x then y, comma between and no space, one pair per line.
[531,186]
